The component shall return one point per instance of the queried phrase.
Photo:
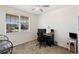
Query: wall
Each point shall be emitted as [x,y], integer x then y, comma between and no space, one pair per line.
[63,21]
[19,37]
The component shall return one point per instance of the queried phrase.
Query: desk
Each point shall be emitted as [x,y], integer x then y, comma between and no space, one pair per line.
[48,34]
[49,38]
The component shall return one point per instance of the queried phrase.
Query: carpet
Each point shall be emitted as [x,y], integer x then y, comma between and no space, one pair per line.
[31,48]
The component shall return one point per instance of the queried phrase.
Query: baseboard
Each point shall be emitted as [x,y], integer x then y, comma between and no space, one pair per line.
[24,42]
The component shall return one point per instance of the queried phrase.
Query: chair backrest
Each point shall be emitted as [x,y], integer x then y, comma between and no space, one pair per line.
[40,34]
[52,30]
[41,37]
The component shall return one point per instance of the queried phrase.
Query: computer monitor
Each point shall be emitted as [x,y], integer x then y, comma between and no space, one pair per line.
[42,30]
[73,35]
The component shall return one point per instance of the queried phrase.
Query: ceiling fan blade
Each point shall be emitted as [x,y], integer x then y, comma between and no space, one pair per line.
[45,5]
[41,10]
[33,9]
[42,5]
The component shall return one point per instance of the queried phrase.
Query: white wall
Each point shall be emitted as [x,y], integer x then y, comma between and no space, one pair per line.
[63,21]
[19,37]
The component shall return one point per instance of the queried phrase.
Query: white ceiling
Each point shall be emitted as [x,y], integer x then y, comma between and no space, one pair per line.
[28,8]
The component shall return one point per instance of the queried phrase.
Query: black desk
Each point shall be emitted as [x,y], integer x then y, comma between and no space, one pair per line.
[49,38]
[48,34]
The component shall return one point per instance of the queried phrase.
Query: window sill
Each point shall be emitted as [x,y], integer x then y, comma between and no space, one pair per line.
[18,32]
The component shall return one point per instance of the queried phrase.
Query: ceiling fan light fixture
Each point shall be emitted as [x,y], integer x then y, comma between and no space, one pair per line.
[41,10]
[42,5]
[39,7]
[36,8]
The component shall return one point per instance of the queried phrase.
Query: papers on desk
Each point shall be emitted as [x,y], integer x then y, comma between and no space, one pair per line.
[48,34]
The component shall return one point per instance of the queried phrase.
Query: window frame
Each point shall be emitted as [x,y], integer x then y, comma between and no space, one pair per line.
[28,24]
[19,24]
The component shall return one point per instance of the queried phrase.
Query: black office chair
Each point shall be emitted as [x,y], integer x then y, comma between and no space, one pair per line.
[41,39]
[49,41]
[6,46]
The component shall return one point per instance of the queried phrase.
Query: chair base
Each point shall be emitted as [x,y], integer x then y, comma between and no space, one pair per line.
[41,44]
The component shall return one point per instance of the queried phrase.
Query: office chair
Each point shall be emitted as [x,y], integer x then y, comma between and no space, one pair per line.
[6,46]
[41,39]
[49,41]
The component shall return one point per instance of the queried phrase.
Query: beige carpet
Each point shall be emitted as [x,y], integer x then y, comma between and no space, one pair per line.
[31,48]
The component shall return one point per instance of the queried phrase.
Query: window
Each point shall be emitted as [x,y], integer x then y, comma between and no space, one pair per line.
[12,23]
[24,23]
[15,24]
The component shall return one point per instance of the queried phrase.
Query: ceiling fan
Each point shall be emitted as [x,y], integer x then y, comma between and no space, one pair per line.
[42,5]
[39,7]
